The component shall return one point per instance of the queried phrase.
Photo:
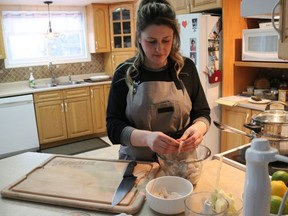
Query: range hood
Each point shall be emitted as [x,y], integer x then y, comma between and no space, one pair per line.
[261,9]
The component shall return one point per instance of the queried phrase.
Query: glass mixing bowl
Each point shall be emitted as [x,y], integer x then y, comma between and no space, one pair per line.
[185,164]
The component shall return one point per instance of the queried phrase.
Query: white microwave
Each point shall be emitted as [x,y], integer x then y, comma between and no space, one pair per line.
[260,45]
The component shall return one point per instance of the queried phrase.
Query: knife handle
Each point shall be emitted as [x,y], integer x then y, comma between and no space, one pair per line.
[129,169]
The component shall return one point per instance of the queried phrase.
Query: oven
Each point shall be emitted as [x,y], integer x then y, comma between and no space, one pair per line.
[236,158]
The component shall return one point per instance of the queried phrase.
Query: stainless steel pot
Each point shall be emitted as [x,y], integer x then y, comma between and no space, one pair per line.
[272,123]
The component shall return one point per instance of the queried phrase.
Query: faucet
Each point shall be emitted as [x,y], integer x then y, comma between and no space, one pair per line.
[53,76]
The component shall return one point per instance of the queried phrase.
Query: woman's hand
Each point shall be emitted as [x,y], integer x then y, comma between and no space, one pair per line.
[156,141]
[193,136]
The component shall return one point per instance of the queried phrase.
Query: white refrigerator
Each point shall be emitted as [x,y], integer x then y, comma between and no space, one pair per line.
[201,41]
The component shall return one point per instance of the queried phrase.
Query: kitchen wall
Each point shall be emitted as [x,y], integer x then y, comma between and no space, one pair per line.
[20,74]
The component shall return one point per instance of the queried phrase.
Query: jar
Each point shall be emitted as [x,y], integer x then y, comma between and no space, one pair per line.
[283,95]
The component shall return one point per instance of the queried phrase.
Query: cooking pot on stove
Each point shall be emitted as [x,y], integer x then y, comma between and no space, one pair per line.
[272,124]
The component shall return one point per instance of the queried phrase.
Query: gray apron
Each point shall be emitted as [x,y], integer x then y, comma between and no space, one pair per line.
[156,106]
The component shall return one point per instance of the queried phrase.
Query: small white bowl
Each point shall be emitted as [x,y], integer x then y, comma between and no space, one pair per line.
[171,185]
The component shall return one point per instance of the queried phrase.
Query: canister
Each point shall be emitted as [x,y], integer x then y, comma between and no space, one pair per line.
[282,95]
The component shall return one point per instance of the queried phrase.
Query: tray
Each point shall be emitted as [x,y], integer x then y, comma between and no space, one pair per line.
[86,183]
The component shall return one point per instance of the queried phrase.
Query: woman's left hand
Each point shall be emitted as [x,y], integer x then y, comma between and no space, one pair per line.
[193,136]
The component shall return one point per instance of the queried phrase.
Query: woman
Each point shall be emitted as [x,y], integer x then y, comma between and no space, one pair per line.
[156,99]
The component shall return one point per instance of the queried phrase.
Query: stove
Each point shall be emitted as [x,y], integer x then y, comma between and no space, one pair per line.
[236,158]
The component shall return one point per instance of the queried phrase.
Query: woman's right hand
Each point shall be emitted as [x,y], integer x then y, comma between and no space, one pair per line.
[156,141]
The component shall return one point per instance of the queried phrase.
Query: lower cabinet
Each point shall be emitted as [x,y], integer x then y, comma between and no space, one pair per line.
[99,98]
[63,114]
[235,117]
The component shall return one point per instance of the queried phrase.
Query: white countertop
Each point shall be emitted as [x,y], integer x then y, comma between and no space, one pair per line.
[20,88]
[13,168]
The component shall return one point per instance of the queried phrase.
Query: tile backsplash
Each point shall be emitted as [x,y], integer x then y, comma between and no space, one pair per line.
[40,72]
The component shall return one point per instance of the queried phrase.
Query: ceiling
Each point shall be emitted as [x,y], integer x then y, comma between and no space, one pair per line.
[57,2]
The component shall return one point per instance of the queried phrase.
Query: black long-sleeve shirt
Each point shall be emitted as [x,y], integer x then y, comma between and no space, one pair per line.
[116,118]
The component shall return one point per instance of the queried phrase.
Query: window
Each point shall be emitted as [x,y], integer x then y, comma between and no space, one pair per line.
[26,43]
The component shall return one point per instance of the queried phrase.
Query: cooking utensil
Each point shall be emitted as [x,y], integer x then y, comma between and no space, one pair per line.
[126,184]
[229,129]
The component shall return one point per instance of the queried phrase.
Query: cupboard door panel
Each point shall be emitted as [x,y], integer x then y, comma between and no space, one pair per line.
[51,121]
[235,117]
[98,108]
[78,116]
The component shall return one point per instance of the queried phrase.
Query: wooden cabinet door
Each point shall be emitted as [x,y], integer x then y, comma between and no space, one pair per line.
[112,60]
[181,6]
[2,48]
[98,108]
[122,26]
[51,121]
[98,28]
[202,5]
[78,116]
[106,95]
[235,117]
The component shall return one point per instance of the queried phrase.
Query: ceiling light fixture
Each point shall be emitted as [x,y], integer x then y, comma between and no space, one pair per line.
[50,34]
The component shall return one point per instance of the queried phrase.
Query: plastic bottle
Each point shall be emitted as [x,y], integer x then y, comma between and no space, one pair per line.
[257,188]
[31,80]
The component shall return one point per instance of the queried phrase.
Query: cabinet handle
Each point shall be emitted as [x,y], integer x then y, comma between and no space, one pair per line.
[96,45]
[66,107]
[62,107]
[91,92]
[113,59]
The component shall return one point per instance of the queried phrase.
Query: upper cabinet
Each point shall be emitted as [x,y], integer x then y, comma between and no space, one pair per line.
[258,8]
[2,49]
[189,6]
[122,26]
[98,28]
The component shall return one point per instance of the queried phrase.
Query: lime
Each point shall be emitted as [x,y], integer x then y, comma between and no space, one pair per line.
[280,175]
[278,188]
[275,205]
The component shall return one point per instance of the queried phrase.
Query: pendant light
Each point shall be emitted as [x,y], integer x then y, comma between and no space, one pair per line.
[50,34]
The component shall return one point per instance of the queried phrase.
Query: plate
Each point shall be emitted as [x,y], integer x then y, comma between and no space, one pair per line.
[99,77]
[263,101]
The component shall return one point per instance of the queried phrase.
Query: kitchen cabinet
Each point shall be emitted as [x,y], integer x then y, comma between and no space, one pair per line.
[99,99]
[63,114]
[192,6]
[98,28]
[122,26]
[203,5]
[113,59]
[236,117]
[2,48]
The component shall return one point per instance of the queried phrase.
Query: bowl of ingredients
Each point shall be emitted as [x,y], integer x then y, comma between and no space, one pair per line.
[166,194]
[206,203]
[185,164]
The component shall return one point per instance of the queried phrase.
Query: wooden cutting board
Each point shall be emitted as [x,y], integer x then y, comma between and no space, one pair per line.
[86,183]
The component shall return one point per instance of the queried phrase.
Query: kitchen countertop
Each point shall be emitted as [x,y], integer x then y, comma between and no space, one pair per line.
[12,168]
[21,88]
[241,101]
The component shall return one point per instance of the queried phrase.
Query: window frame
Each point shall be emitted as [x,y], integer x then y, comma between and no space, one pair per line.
[86,57]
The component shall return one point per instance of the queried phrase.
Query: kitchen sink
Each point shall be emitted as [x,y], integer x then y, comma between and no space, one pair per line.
[49,85]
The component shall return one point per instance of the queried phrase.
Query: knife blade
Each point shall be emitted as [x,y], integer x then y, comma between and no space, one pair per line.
[126,184]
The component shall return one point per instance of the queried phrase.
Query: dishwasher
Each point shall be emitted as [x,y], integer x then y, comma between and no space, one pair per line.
[18,129]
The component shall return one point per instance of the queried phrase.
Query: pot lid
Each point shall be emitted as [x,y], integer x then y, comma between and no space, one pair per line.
[272,116]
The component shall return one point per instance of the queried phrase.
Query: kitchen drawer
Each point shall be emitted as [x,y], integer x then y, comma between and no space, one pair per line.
[48,96]
[76,92]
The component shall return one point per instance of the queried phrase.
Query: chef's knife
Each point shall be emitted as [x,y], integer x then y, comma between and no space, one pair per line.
[126,184]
